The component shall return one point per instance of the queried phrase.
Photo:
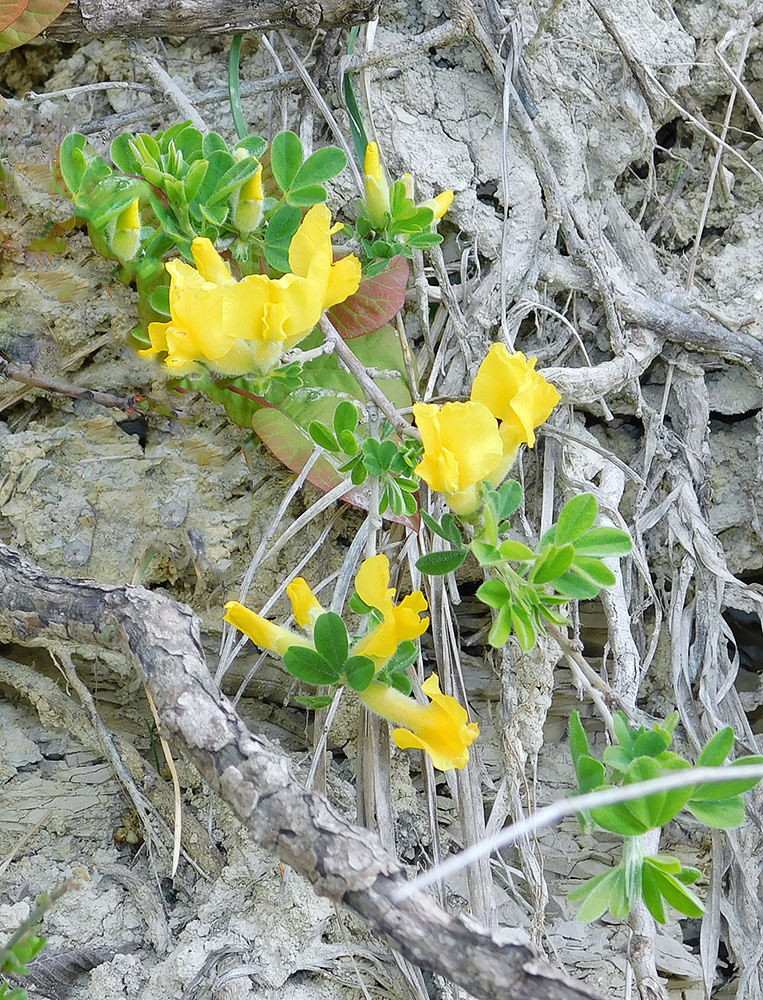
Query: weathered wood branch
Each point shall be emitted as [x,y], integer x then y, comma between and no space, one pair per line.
[84,19]
[344,862]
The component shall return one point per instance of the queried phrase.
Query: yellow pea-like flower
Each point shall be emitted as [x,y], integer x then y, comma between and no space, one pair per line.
[517,395]
[401,621]
[237,327]
[260,630]
[305,605]
[376,186]
[462,447]
[440,728]
[248,210]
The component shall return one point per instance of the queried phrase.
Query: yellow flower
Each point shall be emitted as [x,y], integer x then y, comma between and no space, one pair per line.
[247,211]
[517,395]
[125,237]
[265,633]
[377,187]
[439,204]
[305,605]
[440,728]
[462,447]
[244,326]
[401,622]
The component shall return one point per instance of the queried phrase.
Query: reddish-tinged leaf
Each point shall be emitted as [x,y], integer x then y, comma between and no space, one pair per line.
[292,446]
[21,20]
[375,303]
[10,10]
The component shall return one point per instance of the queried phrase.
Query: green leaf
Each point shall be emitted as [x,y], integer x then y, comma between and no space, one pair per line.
[322,436]
[282,226]
[664,863]
[314,701]
[501,628]
[626,737]
[579,745]
[619,902]
[307,197]
[523,626]
[286,159]
[727,789]
[441,563]
[726,814]
[617,758]
[401,683]
[219,163]
[359,671]
[596,896]
[679,897]
[618,819]
[594,570]
[359,606]
[494,593]
[213,142]
[72,161]
[515,550]
[577,516]
[159,300]
[451,530]
[717,750]
[552,564]
[651,743]
[571,585]
[330,638]
[590,773]
[348,442]
[253,145]
[345,417]
[309,666]
[659,808]
[194,179]
[486,555]
[510,495]
[320,167]
[688,875]
[422,241]
[650,893]
[405,654]
[232,180]
[603,542]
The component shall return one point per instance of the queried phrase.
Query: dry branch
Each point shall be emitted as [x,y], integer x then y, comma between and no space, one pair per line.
[344,862]
[84,19]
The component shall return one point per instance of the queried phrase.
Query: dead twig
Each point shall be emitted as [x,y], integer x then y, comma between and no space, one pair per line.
[18,373]
[84,19]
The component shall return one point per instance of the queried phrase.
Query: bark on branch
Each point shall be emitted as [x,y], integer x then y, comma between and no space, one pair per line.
[84,19]
[344,862]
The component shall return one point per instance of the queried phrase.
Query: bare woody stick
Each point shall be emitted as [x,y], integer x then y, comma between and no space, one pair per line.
[9,369]
[344,862]
[85,19]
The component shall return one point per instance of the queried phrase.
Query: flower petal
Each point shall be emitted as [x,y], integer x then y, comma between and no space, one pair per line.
[461,444]
[372,584]
[305,605]
[265,633]
[209,263]
[311,244]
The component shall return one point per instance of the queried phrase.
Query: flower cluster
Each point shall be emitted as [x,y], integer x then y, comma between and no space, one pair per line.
[237,327]
[466,444]
[441,727]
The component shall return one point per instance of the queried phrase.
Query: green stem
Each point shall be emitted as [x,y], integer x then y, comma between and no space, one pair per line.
[234,93]
[634,851]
